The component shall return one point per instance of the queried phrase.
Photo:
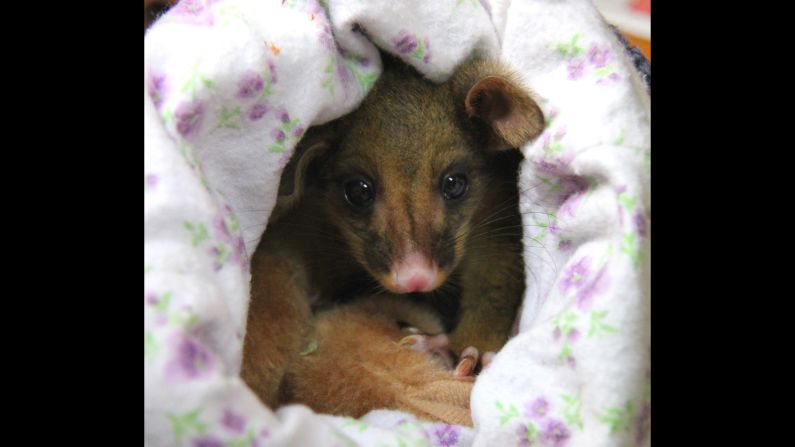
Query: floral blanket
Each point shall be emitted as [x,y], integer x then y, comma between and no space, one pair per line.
[230,86]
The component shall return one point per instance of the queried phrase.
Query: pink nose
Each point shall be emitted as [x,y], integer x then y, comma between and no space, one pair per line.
[414,273]
[417,283]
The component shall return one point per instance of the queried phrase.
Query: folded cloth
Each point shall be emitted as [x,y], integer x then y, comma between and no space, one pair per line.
[230,86]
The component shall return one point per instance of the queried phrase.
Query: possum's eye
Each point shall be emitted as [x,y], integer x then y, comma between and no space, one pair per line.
[359,193]
[454,186]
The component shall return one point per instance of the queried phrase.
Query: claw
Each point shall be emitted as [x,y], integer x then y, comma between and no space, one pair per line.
[416,342]
[467,363]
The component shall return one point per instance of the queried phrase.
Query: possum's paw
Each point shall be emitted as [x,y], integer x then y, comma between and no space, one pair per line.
[468,362]
[438,346]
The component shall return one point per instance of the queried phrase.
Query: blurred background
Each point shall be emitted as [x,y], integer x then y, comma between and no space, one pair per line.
[632,17]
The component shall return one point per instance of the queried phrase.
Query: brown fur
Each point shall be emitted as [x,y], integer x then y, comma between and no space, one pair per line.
[407,134]
[359,365]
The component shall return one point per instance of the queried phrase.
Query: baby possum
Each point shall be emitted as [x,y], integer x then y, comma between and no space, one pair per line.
[358,361]
[413,194]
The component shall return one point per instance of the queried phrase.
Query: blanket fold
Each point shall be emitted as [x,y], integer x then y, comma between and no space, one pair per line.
[230,86]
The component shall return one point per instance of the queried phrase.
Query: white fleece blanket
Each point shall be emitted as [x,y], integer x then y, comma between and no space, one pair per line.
[229,88]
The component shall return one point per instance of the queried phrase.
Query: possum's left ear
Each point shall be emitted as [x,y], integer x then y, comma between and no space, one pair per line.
[297,173]
[492,97]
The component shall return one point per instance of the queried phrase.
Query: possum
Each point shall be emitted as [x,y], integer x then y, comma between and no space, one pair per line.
[412,195]
[379,352]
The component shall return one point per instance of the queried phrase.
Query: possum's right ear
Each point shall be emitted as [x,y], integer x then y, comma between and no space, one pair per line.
[493,96]
[307,155]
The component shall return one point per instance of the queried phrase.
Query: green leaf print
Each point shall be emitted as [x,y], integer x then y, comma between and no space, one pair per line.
[151,347]
[570,49]
[598,326]
[572,412]
[506,412]
[227,118]
[198,231]
[162,302]
[186,424]
[630,246]
[618,418]
[351,422]
[245,441]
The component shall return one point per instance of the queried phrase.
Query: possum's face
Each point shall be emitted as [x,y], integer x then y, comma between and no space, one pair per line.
[411,167]
[403,188]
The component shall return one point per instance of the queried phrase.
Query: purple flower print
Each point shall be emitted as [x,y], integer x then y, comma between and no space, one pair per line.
[547,140]
[572,184]
[222,230]
[207,441]
[189,116]
[257,111]
[283,115]
[239,252]
[427,56]
[565,245]
[326,38]
[612,77]
[643,424]
[571,361]
[192,359]
[298,131]
[574,277]
[555,433]
[344,75]
[445,435]
[152,299]
[233,421]
[598,285]
[151,180]
[576,68]
[557,167]
[556,334]
[156,89]
[553,227]
[272,70]
[570,203]
[537,409]
[313,9]
[250,85]
[599,55]
[640,224]
[196,12]
[524,436]
[219,254]
[573,336]
[278,135]
[405,42]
